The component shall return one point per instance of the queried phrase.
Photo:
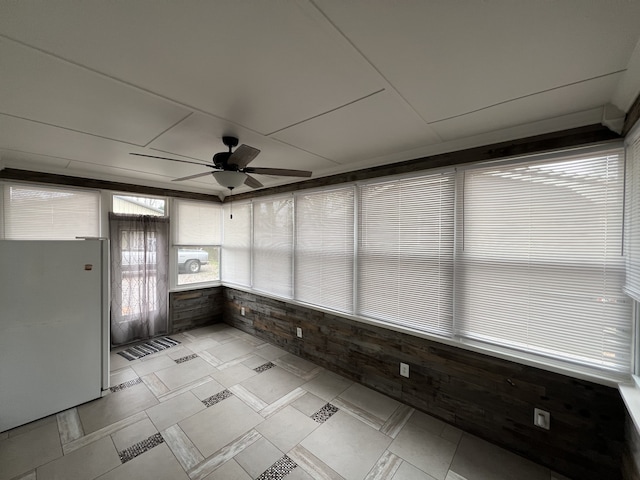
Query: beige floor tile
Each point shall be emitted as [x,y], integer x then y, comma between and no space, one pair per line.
[202,344]
[233,375]
[287,428]
[31,476]
[116,362]
[153,365]
[29,450]
[115,406]
[309,404]
[177,352]
[386,467]
[270,352]
[254,361]
[256,458]
[311,464]
[428,423]
[224,336]
[182,447]
[229,419]
[174,410]
[184,373]
[409,472]
[156,464]
[208,389]
[296,363]
[298,474]
[228,351]
[69,425]
[451,433]
[133,434]
[347,445]
[370,401]
[85,463]
[480,460]
[229,471]
[272,384]
[123,375]
[425,450]
[327,385]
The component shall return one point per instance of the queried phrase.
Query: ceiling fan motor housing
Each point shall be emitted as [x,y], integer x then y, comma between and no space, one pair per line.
[220,161]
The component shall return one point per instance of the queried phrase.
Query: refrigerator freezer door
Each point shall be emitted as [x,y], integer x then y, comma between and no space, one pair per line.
[51,331]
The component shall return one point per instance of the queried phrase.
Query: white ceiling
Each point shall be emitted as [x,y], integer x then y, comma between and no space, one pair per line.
[322,85]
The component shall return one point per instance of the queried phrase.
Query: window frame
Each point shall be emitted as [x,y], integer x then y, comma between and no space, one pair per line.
[175,246]
[568,362]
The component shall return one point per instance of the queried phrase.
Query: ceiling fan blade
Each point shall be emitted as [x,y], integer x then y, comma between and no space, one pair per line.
[252,182]
[172,159]
[191,176]
[285,172]
[242,156]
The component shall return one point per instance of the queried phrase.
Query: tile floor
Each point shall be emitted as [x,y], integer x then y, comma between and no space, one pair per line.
[224,405]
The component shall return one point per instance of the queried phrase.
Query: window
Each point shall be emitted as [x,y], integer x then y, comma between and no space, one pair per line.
[273,245]
[197,241]
[50,213]
[324,248]
[632,230]
[236,244]
[539,261]
[139,205]
[405,252]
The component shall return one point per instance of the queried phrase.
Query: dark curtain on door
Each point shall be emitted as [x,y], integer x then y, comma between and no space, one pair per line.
[139,264]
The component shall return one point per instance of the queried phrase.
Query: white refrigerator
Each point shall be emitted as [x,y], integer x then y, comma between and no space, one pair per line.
[54,326]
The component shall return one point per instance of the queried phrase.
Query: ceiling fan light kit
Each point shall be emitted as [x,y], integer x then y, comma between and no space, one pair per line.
[230,168]
[230,179]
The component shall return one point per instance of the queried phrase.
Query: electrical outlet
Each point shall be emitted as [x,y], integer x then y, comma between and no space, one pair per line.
[541,419]
[242,311]
[299,332]
[404,369]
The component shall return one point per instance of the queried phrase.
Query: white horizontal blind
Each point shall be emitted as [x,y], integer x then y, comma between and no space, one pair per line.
[50,213]
[632,222]
[236,244]
[405,272]
[273,245]
[540,265]
[198,223]
[324,248]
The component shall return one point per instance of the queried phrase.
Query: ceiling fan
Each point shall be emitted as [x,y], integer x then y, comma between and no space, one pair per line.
[230,168]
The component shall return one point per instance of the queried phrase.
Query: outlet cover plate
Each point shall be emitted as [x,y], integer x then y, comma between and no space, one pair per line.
[404,369]
[299,332]
[541,418]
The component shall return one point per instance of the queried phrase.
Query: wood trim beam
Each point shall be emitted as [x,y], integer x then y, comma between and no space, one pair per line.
[55,179]
[632,117]
[581,136]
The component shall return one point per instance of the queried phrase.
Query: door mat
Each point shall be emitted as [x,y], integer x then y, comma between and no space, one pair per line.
[147,348]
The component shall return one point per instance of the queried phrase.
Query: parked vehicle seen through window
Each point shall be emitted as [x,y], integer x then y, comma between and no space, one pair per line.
[190,260]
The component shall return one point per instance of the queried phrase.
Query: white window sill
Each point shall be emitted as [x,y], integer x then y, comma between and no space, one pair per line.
[630,393]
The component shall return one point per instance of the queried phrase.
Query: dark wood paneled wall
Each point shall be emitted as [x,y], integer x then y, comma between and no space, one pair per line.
[486,396]
[631,455]
[194,308]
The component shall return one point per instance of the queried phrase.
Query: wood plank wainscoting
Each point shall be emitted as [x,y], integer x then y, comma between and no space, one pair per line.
[489,397]
[194,308]
[631,454]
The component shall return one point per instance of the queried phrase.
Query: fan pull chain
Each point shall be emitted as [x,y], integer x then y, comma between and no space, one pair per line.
[230,203]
